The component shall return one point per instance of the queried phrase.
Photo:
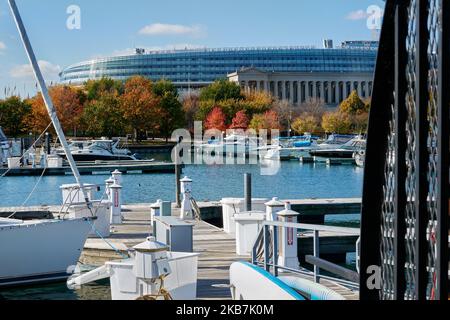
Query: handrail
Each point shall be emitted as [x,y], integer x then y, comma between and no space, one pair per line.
[267,242]
[313,227]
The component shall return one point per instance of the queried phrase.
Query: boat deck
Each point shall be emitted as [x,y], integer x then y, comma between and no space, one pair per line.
[217,251]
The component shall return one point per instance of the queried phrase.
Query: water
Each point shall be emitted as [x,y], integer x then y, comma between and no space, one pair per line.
[293,181]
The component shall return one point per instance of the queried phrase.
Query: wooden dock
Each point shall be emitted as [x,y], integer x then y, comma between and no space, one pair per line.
[142,167]
[217,249]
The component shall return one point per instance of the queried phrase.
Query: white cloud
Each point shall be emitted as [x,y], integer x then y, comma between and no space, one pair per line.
[2,46]
[357,15]
[49,70]
[163,29]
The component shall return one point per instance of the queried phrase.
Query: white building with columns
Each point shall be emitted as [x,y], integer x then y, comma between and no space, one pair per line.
[299,87]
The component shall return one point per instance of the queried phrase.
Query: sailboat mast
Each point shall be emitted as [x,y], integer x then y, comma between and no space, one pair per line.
[46,96]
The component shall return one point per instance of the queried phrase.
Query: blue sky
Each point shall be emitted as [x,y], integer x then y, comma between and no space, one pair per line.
[114,27]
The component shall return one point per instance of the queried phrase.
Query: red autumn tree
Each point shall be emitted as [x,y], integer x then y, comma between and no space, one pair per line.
[240,121]
[68,105]
[216,120]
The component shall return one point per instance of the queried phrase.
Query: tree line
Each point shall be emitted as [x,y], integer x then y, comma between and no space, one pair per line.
[147,109]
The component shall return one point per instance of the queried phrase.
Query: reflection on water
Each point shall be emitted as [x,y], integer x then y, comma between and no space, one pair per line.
[59,291]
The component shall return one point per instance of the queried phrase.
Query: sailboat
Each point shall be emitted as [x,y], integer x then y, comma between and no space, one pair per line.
[44,250]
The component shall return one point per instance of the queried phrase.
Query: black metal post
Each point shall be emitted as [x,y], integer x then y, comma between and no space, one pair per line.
[442,253]
[378,131]
[400,146]
[421,158]
[248,191]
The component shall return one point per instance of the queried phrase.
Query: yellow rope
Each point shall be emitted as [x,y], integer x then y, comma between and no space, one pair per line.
[162,293]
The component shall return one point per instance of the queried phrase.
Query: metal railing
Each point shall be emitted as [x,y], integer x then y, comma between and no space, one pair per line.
[265,252]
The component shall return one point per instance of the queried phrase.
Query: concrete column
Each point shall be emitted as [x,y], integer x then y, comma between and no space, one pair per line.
[345,91]
[276,89]
[360,93]
[258,86]
[314,96]
[337,92]
[283,90]
[291,88]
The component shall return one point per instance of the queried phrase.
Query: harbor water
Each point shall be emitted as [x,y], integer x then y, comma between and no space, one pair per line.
[210,183]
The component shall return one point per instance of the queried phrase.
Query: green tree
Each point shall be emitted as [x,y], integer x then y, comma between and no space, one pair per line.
[221,90]
[171,115]
[336,122]
[306,123]
[353,105]
[13,113]
[96,88]
[267,121]
[103,117]
[140,106]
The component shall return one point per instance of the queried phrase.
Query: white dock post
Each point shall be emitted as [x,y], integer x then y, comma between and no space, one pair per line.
[43,160]
[33,160]
[155,210]
[288,255]
[272,208]
[108,184]
[116,206]
[117,176]
[186,206]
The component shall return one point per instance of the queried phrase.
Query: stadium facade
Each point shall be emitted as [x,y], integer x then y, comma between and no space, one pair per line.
[292,73]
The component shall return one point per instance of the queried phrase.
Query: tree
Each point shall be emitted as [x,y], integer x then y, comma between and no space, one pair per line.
[103,117]
[13,113]
[191,105]
[240,121]
[216,120]
[171,111]
[306,123]
[336,122]
[140,106]
[353,105]
[96,88]
[67,102]
[221,90]
[267,121]
[314,107]
[286,113]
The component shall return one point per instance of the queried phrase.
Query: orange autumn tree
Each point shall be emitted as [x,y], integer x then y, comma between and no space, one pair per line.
[140,106]
[69,107]
[240,121]
[216,120]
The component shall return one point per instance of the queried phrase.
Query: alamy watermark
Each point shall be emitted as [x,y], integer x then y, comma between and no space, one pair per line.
[73,21]
[233,147]
[374,17]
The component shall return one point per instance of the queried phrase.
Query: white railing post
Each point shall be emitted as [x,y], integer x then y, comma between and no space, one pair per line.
[316,255]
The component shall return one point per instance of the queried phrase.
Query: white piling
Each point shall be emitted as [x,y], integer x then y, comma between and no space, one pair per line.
[186,206]
[116,205]
[288,255]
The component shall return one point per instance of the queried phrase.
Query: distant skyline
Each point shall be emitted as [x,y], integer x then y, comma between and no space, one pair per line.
[117,27]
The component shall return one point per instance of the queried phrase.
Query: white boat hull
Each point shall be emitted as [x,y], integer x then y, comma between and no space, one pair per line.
[40,251]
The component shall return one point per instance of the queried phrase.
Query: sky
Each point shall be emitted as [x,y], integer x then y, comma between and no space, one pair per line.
[64,32]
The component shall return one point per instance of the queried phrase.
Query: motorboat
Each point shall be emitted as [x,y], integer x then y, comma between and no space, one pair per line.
[4,147]
[288,148]
[93,150]
[345,151]
[233,144]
